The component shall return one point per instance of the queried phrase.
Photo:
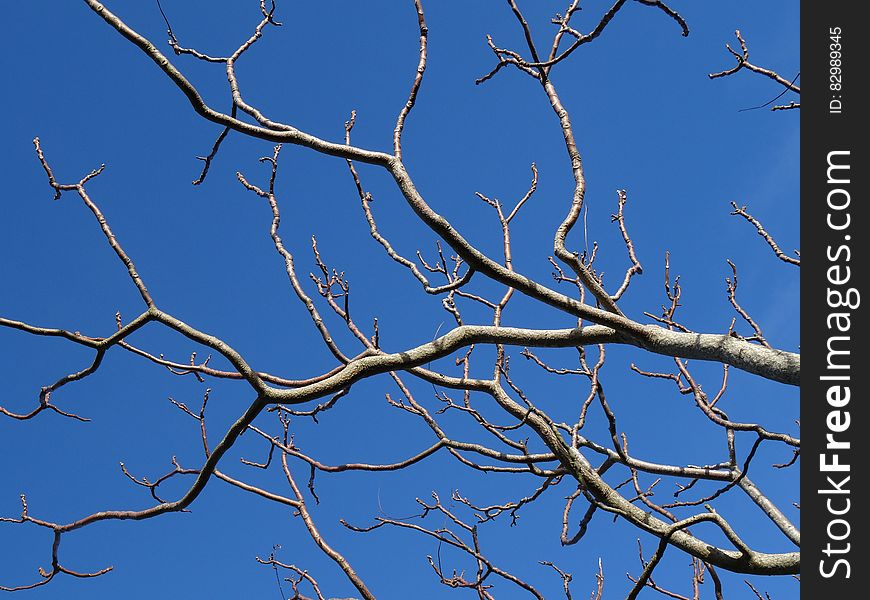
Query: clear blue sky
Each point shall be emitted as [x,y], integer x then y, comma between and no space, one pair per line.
[647,119]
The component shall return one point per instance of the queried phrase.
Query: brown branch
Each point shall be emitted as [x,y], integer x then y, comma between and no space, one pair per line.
[79,188]
[741,210]
[303,575]
[366,198]
[718,417]
[635,268]
[287,256]
[743,62]
[731,291]
[756,592]
[191,368]
[446,536]
[56,566]
[336,557]
[101,345]
[418,80]
[567,577]
[207,159]
[489,513]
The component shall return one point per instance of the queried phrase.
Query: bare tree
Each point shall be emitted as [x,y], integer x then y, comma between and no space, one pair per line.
[467,368]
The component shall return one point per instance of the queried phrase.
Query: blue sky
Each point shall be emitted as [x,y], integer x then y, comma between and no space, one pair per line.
[647,119]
